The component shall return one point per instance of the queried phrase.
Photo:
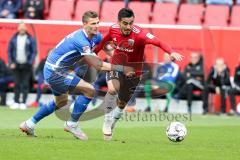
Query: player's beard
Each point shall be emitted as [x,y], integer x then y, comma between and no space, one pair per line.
[126,32]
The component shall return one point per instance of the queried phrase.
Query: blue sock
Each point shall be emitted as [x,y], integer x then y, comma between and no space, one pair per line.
[79,107]
[44,111]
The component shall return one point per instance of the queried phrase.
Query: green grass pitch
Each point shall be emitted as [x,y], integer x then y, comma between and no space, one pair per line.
[209,138]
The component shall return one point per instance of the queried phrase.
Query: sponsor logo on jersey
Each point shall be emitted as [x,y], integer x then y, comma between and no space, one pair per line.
[124,49]
[86,49]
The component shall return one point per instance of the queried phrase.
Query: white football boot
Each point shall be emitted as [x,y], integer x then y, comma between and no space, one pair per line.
[72,127]
[107,128]
[27,129]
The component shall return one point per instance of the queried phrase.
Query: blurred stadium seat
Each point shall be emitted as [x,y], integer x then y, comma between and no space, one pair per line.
[83,6]
[190,14]
[110,10]
[141,10]
[46,7]
[164,13]
[61,10]
[235,17]
[216,15]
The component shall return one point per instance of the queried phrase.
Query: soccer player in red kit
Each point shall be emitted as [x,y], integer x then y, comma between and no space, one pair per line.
[128,41]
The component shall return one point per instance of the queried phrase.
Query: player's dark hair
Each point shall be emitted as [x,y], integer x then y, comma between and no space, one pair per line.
[125,13]
[89,14]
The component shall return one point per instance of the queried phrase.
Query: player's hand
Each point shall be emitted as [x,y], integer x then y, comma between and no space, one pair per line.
[176,56]
[128,71]
[109,50]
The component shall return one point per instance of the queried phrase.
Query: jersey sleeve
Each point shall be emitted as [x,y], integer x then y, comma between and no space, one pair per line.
[104,41]
[151,39]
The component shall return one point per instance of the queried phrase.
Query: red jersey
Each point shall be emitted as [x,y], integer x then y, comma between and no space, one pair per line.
[130,48]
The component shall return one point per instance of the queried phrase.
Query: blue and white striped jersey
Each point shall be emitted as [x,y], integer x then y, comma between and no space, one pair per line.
[72,48]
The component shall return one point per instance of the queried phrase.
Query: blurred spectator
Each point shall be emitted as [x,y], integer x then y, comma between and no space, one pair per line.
[170,1]
[33,9]
[127,1]
[21,53]
[166,72]
[5,78]
[218,82]
[194,78]
[40,82]
[228,2]
[9,8]
[195,1]
[236,88]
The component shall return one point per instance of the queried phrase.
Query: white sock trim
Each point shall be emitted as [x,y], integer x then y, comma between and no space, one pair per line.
[30,123]
[117,113]
[71,123]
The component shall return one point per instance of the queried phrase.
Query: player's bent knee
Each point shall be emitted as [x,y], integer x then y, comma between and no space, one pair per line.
[112,91]
[61,100]
[61,103]
[121,104]
[90,93]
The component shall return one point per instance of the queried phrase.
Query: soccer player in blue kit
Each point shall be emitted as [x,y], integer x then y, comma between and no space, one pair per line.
[60,75]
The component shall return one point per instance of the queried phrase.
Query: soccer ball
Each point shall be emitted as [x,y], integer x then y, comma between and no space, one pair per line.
[176,131]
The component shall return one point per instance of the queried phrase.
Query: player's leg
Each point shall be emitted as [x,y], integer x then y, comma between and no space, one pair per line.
[101,81]
[110,103]
[80,105]
[47,109]
[59,84]
[127,88]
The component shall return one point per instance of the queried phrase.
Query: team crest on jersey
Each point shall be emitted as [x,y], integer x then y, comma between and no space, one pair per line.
[130,42]
[86,49]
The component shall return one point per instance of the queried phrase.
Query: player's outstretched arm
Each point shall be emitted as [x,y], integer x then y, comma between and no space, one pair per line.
[97,63]
[151,39]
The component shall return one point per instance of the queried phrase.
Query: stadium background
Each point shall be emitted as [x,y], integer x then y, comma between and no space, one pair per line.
[213,30]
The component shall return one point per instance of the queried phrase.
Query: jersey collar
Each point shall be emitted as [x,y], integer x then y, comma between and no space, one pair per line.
[85,33]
